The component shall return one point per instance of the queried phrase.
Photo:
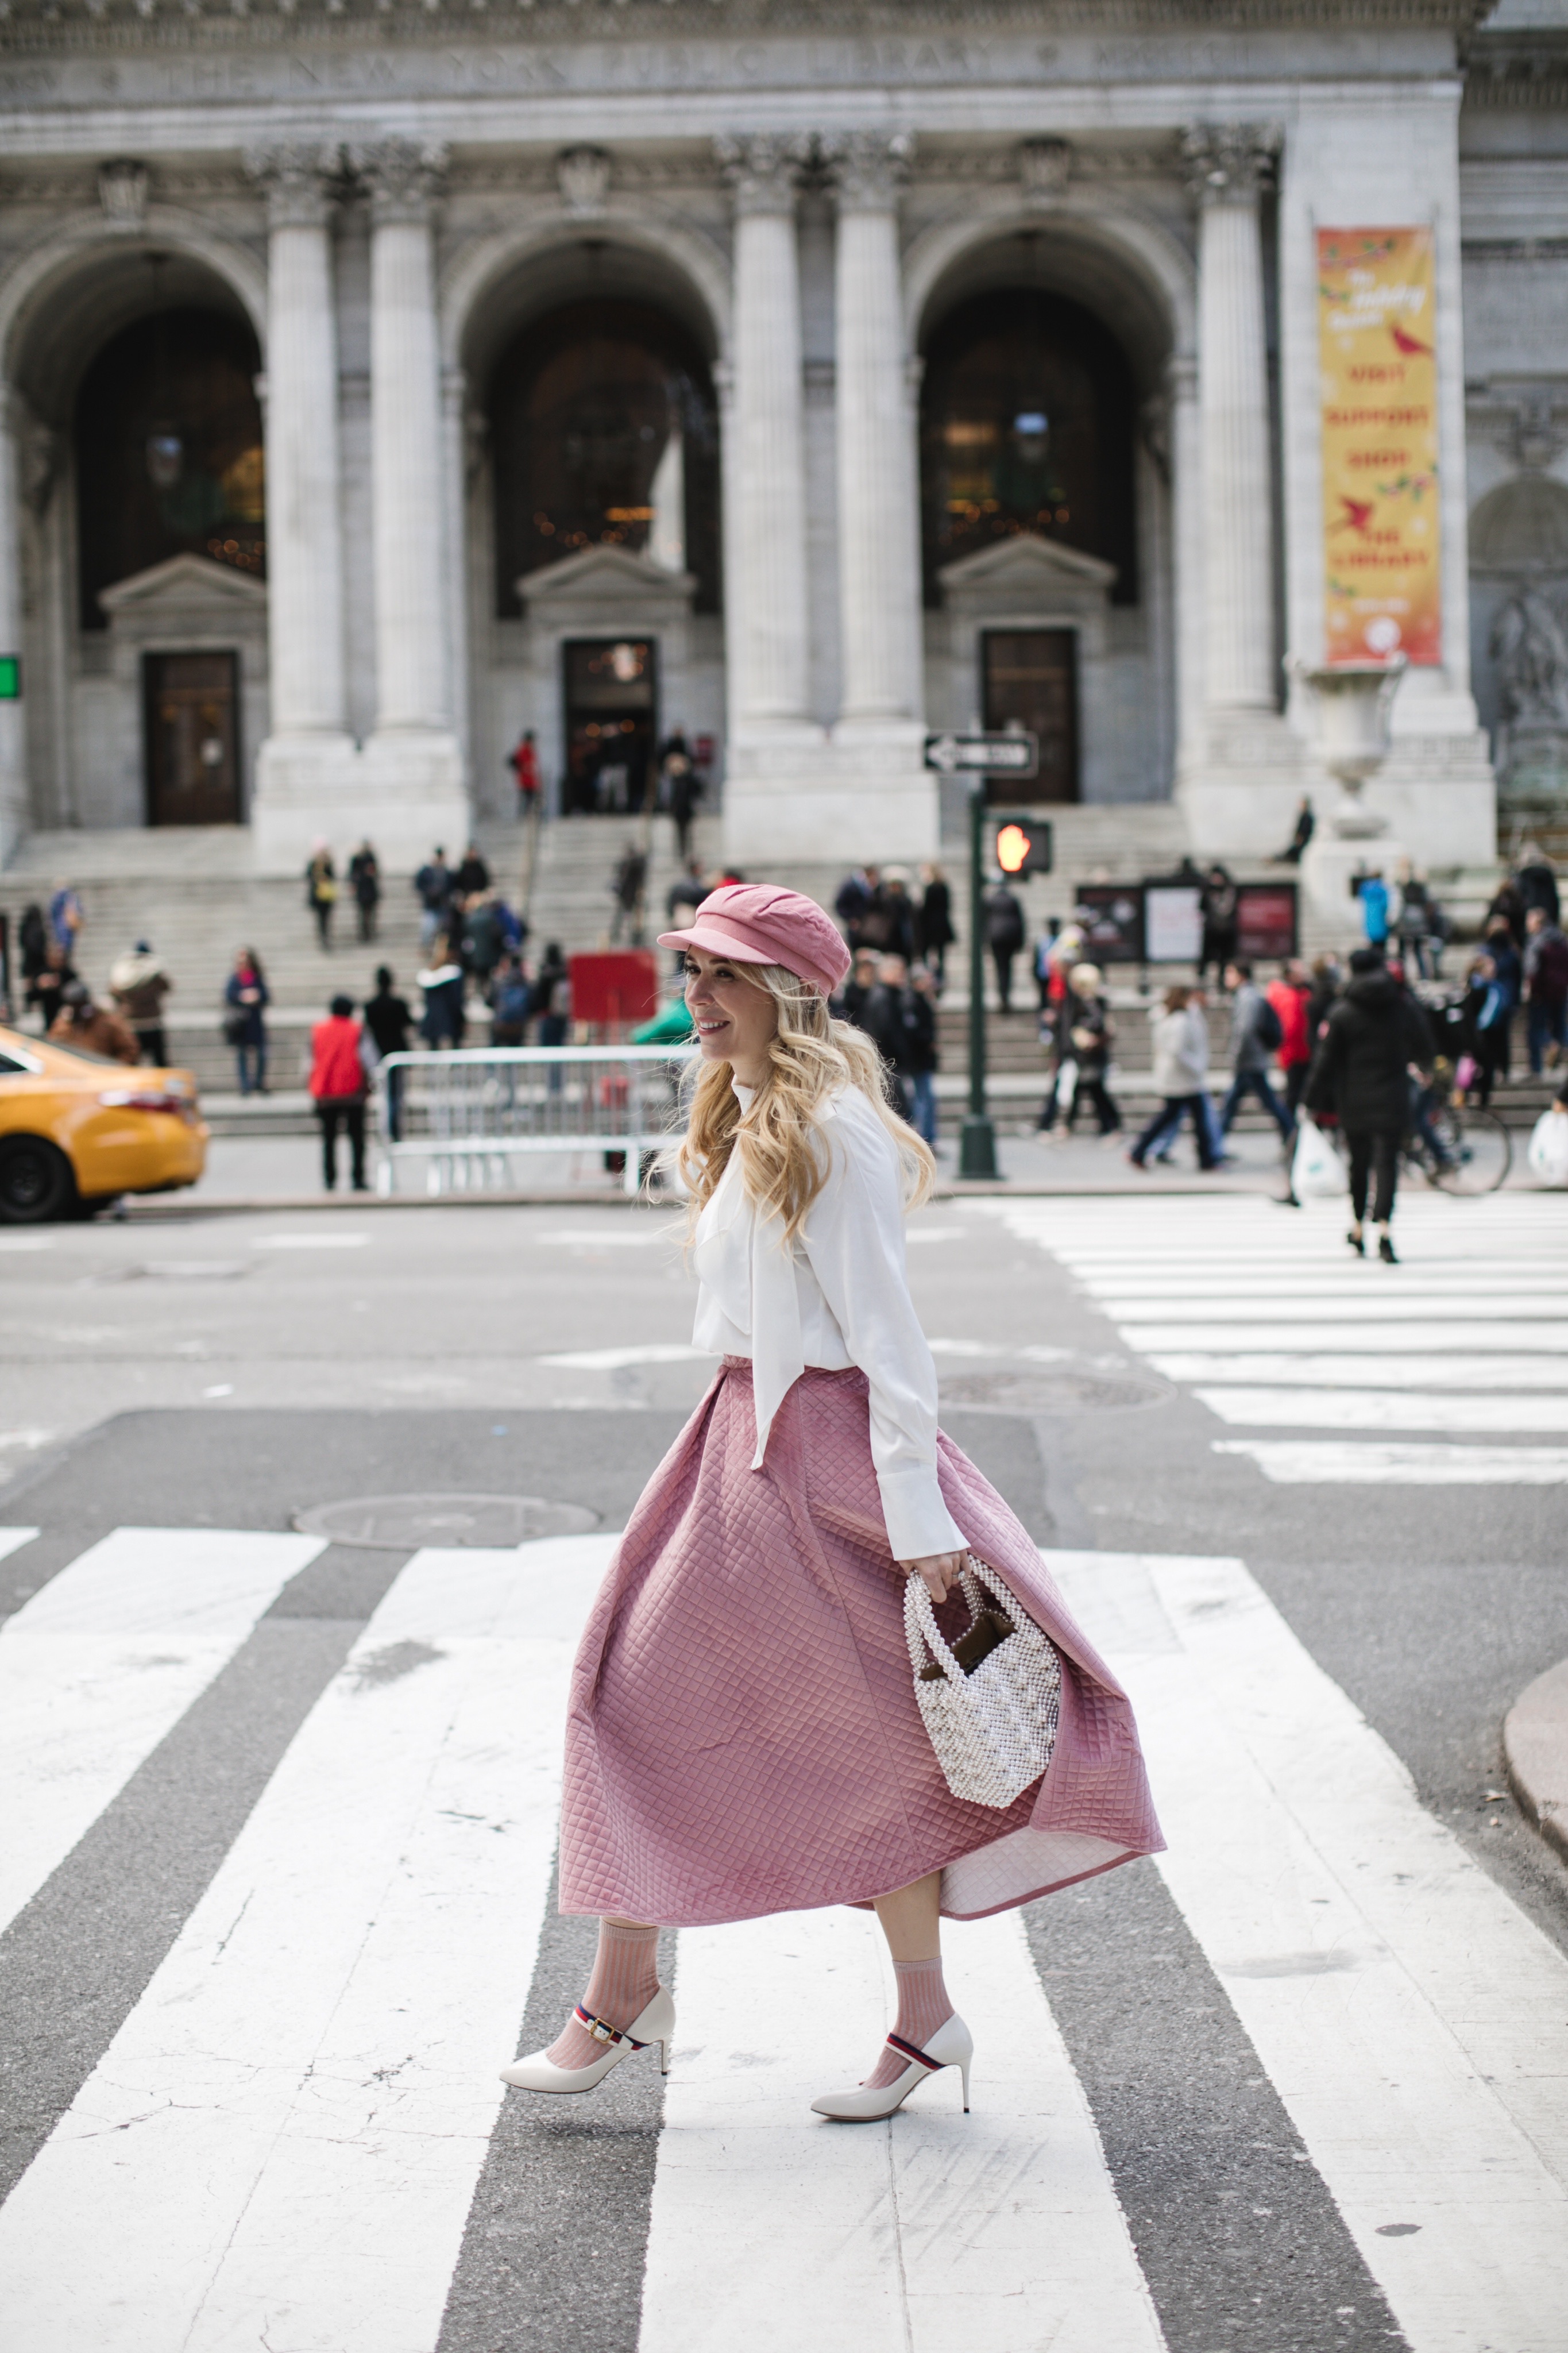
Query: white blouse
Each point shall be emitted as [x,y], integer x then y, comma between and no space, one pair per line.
[839,1296]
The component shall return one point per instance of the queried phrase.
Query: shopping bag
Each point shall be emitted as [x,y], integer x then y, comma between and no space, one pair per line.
[1549,1147]
[1067,1086]
[1317,1172]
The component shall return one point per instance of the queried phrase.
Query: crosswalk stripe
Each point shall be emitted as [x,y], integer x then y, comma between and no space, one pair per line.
[13,1539]
[1379,1462]
[1317,1409]
[773,2228]
[103,1660]
[1469,1371]
[1414,2022]
[1380,1337]
[280,2144]
[1526,1318]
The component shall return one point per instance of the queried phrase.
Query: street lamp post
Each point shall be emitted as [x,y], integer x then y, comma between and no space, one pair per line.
[978,1142]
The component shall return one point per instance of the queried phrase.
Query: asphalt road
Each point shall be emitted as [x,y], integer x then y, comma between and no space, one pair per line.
[223,1374]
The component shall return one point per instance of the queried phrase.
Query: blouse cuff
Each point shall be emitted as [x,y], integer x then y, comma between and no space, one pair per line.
[919,1523]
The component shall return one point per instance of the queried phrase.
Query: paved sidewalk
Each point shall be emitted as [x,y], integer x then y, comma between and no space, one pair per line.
[1535,1745]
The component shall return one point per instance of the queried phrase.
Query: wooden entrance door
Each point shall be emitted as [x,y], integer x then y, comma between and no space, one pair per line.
[191,719]
[1031,680]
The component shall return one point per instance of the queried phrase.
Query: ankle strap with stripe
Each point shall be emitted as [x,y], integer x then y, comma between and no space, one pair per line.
[912,2051]
[601,2031]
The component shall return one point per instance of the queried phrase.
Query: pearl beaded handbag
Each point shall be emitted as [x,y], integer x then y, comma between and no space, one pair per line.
[990,1703]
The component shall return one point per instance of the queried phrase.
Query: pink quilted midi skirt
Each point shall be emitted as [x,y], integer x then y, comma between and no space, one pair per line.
[742,1735]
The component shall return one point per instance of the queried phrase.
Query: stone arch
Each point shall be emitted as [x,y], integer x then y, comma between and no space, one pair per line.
[1085,247]
[1520,528]
[491,287]
[65,296]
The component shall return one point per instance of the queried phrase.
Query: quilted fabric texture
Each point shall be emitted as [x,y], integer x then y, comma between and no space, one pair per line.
[744,1735]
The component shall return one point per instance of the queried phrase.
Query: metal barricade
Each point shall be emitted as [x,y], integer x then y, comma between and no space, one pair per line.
[470,1115]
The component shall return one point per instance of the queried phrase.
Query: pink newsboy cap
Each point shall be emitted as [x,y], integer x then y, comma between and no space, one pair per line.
[756,923]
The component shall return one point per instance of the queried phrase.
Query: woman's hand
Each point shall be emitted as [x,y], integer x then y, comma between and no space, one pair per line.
[939,1570]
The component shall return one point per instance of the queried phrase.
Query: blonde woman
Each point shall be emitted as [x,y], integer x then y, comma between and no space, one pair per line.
[743,1736]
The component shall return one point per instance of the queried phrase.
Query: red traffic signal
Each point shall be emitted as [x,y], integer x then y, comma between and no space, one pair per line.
[1022,845]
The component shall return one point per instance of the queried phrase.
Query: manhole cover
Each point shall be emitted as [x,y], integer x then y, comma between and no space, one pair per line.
[1057,1389]
[404,1523]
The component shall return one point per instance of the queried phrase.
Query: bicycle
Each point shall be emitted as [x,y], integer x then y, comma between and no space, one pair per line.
[1458,1147]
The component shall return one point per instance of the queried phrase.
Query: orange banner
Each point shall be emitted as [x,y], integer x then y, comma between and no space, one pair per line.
[1382,535]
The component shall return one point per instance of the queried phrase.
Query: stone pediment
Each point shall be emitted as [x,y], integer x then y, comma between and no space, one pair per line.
[185,584]
[606,575]
[1026,565]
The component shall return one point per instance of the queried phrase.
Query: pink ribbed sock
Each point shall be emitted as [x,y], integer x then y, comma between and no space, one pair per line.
[625,1980]
[923,2005]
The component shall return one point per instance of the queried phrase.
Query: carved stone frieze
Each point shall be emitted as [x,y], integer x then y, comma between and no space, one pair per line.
[123,190]
[1045,166]
[403,178]
[582,176]
[1229,163]
[299,182]
[763,168]
[866,168]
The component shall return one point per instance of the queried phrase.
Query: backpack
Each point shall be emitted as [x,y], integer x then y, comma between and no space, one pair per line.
[1550,981]
[1268,1027]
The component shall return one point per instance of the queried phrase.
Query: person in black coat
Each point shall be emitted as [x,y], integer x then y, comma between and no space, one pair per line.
[936,933]
[1003,936]
[1376,1036]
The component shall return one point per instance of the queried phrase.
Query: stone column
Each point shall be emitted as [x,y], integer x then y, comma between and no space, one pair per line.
[766,593]
[1227,167]
[1185,441]
[413,688]
[879,512]
[304,523]
[14,805]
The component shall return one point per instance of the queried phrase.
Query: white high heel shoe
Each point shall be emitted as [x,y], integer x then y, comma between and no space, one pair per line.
[951,2045]
[539,2073]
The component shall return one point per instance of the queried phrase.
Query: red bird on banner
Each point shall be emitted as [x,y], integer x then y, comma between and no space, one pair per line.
[1357,516]
[1409,345]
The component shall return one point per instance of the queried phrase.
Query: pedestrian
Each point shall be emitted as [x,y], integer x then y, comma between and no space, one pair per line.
[441,983]
[1257,1034]
[473,875]
[552,998]
[511,1000]
[702,1783]
[850,1003]
[364,881]
[1291,997]
[1546,989]
[66,919]
[1220,903]
[139,986]
[1484,1018]
[322,893]
[627,885]
[925,1056]
[902,1027]
[337,1085]
[91,1029]
[32,946]
[1507,965]
[46,990]
[853,903]
[1181,1042]
[1375,902]
[523,762]
[246,997]
[680,788]
[1004,921]
[935,933]
[433,887]
[1412,925]
[900,918]
[1536,879]
[1507,902]
[1085,1030]
[389,1018]
[482,941]
[1305,827]
[1377,1038]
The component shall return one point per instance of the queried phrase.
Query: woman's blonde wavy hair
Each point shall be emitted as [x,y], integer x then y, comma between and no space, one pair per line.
[781,1139]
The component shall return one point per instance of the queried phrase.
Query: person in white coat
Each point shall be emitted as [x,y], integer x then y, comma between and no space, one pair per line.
[1181,1042]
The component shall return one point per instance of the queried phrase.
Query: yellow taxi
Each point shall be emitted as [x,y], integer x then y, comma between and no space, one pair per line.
[76,1131]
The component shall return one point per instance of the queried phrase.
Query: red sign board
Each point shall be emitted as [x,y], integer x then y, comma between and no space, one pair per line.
[1265,921]
[615,990]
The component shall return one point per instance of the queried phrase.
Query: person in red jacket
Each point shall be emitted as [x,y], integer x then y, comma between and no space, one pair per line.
[1290,995]
[338,1086]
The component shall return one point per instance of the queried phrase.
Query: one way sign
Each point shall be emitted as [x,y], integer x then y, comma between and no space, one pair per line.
[987,756]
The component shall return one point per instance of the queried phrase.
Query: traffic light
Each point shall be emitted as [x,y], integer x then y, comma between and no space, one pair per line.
[1022,845]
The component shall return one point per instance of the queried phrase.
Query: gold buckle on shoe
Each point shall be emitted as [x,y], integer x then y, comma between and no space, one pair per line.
[598,2028]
